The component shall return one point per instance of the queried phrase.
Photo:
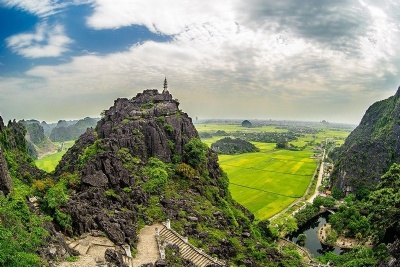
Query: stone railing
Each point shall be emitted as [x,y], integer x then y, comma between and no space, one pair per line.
[167,224]
[160,247]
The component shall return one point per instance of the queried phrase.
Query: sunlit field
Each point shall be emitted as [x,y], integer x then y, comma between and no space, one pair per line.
[49,163]
[268,181]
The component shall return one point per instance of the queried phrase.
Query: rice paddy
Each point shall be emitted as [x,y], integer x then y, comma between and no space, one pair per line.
[268,181]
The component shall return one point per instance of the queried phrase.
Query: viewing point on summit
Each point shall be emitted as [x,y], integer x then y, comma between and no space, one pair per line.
[165,91]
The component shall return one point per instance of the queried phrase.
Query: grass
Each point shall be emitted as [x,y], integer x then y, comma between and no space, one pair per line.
[50,162]
[268,181]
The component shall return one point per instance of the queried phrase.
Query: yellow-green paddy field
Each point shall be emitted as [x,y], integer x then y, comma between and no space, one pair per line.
[268,181]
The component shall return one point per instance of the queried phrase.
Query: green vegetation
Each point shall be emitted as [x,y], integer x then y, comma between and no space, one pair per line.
[384,203]
[20,233]
[72,258]
[228,145]
[310,210]
[156,171]
[55,194]
[90,152]
[49,163]
[268,181]
[195,153]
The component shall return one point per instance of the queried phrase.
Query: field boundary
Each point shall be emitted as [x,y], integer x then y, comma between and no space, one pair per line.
[258,189]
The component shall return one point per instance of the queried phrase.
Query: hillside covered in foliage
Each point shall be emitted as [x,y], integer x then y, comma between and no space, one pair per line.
[370,149]
[142,164]
[229,145]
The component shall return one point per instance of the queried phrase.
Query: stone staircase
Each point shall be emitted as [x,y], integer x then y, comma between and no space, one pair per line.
[188,251]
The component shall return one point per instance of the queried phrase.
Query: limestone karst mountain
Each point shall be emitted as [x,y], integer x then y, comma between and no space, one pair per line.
[371,148]
[144,163]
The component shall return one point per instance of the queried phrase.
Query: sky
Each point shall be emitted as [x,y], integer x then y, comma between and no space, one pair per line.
[308,60]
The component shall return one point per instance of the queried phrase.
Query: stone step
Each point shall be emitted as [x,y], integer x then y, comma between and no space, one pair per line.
[186,250]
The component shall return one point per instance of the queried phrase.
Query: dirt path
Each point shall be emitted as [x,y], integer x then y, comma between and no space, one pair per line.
[319,181]
[147,247]
[91,249]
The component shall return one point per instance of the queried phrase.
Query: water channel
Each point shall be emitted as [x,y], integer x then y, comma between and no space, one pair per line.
[312,242]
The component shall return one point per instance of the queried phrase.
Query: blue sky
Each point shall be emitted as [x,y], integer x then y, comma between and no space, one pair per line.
[255,59]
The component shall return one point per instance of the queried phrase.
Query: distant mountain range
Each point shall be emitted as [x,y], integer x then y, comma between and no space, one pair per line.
[40,135]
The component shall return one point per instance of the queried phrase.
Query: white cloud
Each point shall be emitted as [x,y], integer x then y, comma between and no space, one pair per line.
[166,17]
[42,8]
[47,41]
[221,65]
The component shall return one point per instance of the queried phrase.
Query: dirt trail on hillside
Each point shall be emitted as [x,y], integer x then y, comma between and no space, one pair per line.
[147,247]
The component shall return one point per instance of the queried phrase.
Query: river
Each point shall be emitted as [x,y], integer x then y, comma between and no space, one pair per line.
[312,242]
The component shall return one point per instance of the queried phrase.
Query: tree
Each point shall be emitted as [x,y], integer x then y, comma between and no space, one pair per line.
[384,202]
[195,153]
[246,123]
[301,239]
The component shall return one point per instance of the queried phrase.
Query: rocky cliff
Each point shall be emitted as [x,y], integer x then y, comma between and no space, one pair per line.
[5,179]
[14,145]
[371,148]
[71,130]
[143,164]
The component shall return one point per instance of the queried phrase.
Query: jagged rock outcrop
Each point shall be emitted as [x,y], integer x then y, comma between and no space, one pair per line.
[5,179]
[20,165]
[149,125]
[371,148]
[35,131]
[114,258]
[144,163]
[146,123]
[1,124]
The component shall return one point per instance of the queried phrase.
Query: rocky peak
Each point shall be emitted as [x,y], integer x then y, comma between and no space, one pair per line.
[149,125]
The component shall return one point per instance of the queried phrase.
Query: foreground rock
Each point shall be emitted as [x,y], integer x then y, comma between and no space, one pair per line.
[144,163]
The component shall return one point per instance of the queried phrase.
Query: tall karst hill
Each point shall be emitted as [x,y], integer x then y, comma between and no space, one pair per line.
[144,163]
[15,151]
[371,148]
[149,125]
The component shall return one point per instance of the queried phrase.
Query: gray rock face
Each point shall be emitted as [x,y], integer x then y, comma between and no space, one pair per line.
[1,124]
[5,179]
[148,125]
[114,258]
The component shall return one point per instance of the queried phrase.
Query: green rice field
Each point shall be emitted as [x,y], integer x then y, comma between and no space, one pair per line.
[49,163]
[268,181]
